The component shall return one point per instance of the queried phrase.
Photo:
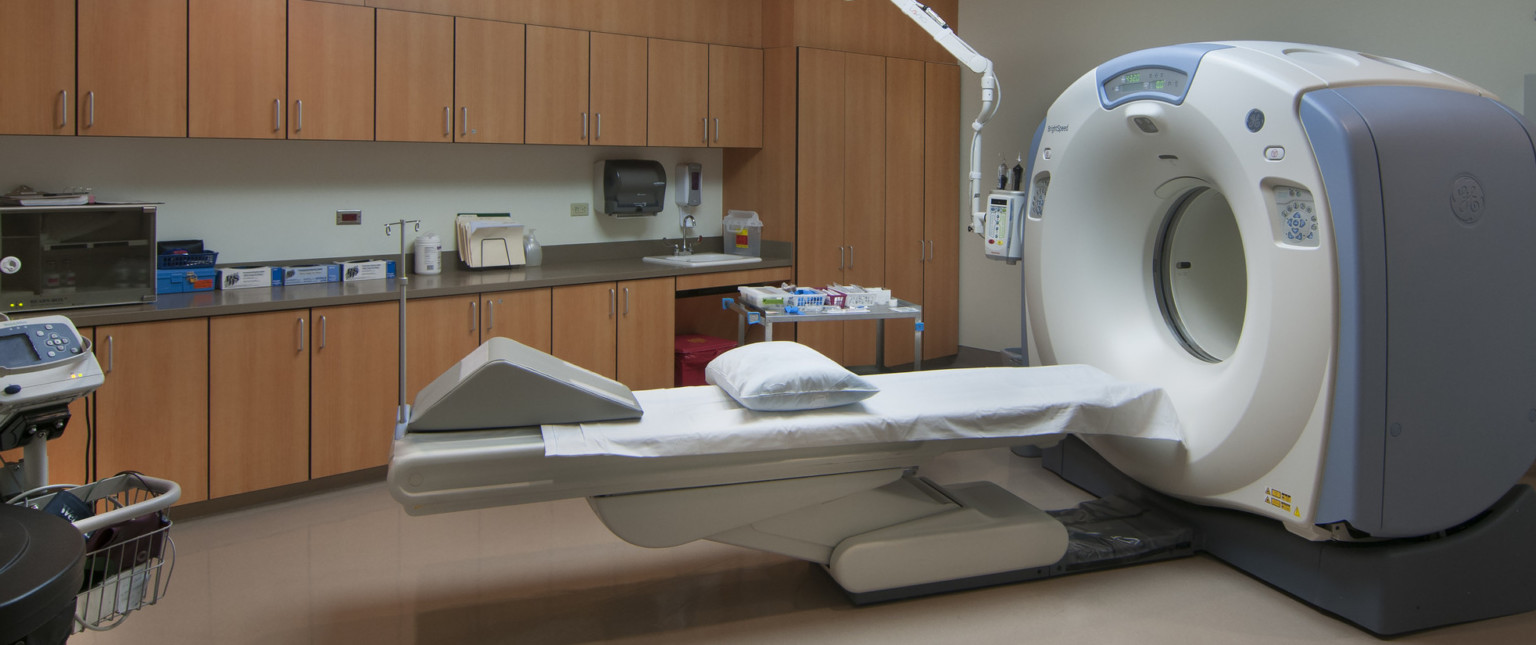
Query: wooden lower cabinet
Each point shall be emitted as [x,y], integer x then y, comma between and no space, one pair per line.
[69,456]
[621,330]
[152,411]
[441,331]
[258,401]
[523,316]
[354,386]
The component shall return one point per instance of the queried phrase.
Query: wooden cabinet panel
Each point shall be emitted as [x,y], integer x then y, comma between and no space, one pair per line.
[152,411]
[941,276]
[905,249]
[37,67]
[355,384]
[440,332]
[863,232]
[488,71]
[330,71]
[736,97]
[679,94]
[523,316]
[414,100]
[820,256]
[69,456]
[237,68]
[557,86]
[132,68]
[588,323]
[647,324]
[258,401]
[618,76]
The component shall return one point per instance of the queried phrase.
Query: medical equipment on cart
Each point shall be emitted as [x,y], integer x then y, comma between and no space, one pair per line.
[45,365]
[1315,251]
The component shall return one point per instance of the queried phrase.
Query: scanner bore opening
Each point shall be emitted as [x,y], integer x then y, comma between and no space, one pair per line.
[1201,275]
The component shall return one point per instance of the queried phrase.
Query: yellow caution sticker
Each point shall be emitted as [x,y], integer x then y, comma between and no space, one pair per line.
[1281,500]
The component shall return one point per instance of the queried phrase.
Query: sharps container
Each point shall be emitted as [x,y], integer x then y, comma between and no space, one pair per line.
[694,352]
[743,233]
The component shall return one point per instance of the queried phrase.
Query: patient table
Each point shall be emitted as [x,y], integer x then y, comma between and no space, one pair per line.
[836,486]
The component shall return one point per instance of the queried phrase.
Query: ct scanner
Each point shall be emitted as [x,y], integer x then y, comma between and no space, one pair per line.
[1317,257]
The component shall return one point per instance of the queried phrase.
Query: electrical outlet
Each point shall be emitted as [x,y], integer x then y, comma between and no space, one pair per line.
[349,217]
[580,210]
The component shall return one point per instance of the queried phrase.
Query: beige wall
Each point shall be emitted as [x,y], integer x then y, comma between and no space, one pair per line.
[1039,47]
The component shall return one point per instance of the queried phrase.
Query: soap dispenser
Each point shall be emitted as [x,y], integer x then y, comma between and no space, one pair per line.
[533,253]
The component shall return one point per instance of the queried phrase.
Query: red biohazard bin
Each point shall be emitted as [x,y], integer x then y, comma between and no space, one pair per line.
[694,352]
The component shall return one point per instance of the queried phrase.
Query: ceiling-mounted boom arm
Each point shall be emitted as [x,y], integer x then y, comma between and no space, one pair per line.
[990,94]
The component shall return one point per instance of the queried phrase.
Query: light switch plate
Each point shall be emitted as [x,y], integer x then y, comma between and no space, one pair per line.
[349,217]
[580,210]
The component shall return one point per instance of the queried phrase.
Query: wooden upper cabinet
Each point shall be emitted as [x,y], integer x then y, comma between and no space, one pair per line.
[414,96]
[488,81]
[37,67]
[679,94]
[330,71]
[557,86]
[735,97]
[236,75]
[618,89]
[132,68]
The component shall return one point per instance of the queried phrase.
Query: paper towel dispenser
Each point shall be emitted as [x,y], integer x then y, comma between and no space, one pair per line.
[629,187]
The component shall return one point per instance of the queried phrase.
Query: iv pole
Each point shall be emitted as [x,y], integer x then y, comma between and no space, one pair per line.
[402,413]
[991,94]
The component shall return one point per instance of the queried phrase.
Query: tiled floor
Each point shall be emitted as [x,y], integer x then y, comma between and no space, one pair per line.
[348,566]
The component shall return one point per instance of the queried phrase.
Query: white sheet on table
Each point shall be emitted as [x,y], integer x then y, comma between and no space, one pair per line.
[911,406]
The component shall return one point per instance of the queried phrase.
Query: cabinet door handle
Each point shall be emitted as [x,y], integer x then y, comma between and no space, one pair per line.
[706,129]
[583,126]
[277,115]
[322,333]
[613,300]
[599,128]
[447,120]
[474,316]
[850,256]
[298,119]
[490,314]
[626,301]
[64,108]
[921,255]
[717,129]
[301,334]
[842,257]
[111,353]
[90,109]
[464,117]
[930,250]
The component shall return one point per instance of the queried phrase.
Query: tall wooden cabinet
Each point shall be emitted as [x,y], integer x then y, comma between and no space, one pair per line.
[354,386]
[488,74]
[152,410]
[258,401]
[941,217]
[132,68]
[236,68]
[906,240]
[330,71]
[37,67]
[841,201]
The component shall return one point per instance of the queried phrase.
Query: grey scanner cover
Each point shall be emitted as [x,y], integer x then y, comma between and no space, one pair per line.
[505,384]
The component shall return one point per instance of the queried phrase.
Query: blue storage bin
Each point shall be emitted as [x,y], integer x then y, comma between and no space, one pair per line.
[184,280]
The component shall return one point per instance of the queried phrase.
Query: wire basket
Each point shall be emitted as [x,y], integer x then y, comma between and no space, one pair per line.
[129,553]
[200,260]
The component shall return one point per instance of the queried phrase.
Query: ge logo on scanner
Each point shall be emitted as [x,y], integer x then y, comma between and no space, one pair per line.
[1467,199]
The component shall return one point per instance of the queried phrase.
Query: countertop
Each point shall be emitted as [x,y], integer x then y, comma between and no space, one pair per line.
[563,265]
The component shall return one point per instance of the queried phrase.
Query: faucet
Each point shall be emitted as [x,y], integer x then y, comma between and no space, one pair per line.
[687,226]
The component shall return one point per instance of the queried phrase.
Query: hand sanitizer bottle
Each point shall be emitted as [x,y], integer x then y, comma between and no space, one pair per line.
[532,252]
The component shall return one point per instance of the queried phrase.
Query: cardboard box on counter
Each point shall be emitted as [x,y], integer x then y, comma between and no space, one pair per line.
[245,277]
[306,274]
[352,270]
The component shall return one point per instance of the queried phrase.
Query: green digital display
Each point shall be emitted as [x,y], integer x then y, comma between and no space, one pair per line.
[1134,77]
[1158,85]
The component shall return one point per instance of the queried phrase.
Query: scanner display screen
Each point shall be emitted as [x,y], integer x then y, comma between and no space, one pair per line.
[16,350]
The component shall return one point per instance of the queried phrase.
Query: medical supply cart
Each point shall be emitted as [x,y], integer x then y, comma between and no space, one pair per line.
[747,314]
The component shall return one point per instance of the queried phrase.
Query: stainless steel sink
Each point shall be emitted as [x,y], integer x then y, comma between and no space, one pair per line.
[701,259]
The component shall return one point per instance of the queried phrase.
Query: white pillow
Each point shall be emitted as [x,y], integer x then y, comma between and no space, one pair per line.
[785,376]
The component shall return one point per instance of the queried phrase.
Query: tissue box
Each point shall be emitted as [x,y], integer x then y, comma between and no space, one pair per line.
[184,280]
[307,274]
[245,277]
[353,270]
